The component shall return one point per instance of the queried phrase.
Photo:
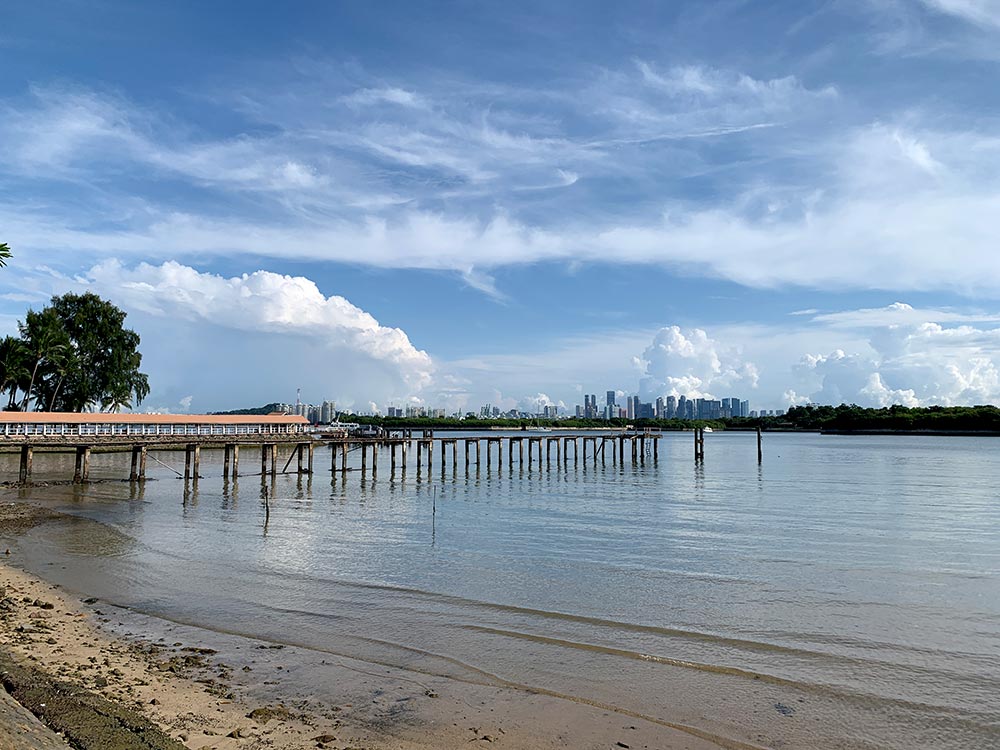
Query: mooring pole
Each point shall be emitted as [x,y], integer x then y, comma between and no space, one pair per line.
[760,446]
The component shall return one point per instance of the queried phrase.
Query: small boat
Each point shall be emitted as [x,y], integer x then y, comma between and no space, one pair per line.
[708,429]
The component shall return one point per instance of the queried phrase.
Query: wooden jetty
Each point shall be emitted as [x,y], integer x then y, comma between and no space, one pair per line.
[521,450]
[139,433]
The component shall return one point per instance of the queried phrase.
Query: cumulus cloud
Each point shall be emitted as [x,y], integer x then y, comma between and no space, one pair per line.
[256,337]
[909,360]
[689,363]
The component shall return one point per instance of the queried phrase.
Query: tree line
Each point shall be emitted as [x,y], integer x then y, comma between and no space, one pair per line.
[73,355]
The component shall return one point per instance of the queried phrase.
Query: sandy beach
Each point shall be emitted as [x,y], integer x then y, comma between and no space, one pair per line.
[205,689]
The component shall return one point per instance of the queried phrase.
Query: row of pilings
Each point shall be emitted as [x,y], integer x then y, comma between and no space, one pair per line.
[561,450]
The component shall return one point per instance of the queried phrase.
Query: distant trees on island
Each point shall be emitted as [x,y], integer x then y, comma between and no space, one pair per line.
[72,355]
[843,418]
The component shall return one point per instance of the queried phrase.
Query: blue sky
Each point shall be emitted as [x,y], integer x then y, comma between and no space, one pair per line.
[458,202]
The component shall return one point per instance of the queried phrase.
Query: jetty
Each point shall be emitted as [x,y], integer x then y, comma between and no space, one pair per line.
[561,450]
[138,434]
[83,432]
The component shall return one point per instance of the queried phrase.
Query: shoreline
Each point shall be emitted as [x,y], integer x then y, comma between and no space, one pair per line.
[216,691]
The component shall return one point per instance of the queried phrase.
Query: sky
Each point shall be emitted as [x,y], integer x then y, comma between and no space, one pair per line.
[518,203]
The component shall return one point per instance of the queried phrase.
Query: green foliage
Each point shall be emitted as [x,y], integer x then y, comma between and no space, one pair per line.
[5,254]
[73,355]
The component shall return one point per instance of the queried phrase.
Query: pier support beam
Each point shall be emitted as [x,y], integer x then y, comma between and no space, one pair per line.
[263,461]
[82,471]
[27,453]
[760,446]
[274,459]
[138,468]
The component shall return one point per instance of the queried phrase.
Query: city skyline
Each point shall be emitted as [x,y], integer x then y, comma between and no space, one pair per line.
[459,206]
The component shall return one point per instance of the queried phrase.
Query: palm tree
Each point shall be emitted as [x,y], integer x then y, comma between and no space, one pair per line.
[5,254]
[47,342]
[13,367]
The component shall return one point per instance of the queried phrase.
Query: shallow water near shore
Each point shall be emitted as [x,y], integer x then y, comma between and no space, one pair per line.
[846,593]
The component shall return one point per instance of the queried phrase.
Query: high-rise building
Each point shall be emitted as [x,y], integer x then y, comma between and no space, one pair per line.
[744,408]
[611,398]
[671,407]
[630,407]
[579,411]
[681,412]
[659,407]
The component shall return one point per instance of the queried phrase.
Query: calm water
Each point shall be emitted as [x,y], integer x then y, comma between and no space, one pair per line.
[844,594]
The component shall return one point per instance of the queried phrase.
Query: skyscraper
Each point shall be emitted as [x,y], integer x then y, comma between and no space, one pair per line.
[611,398]
[682,403]
[671,407]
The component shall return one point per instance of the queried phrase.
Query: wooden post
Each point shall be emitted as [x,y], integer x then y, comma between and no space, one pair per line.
[133,473]
[274,459]
[510,451]
[300,451]
[364,459]
[236,460]
[142,463]
[430,454]
[225,461]
[499,453]
[197,461]
[454,457]
[760,446]
[188,457]
[263,460]
[585,451]
[392,460]
[635,450]
[656,450]
[26,457]
[374,460]
[333,459]
[466,455]
[343,458]
[78,472]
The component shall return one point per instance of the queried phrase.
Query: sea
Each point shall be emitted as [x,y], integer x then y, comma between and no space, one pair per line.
[842,593]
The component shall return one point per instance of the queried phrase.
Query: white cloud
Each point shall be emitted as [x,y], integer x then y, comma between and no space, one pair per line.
[252,339]
[263,302]
[980,12]
[689,363]
[910,359]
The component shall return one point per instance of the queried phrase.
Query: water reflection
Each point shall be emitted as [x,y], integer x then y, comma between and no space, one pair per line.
[862,576]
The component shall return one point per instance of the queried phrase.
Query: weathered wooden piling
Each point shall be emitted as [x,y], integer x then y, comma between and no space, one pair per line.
[137,470]
[760,446]
[82,471]
[24,474]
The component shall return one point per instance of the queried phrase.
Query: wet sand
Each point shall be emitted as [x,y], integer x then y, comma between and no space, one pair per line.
[206,689]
